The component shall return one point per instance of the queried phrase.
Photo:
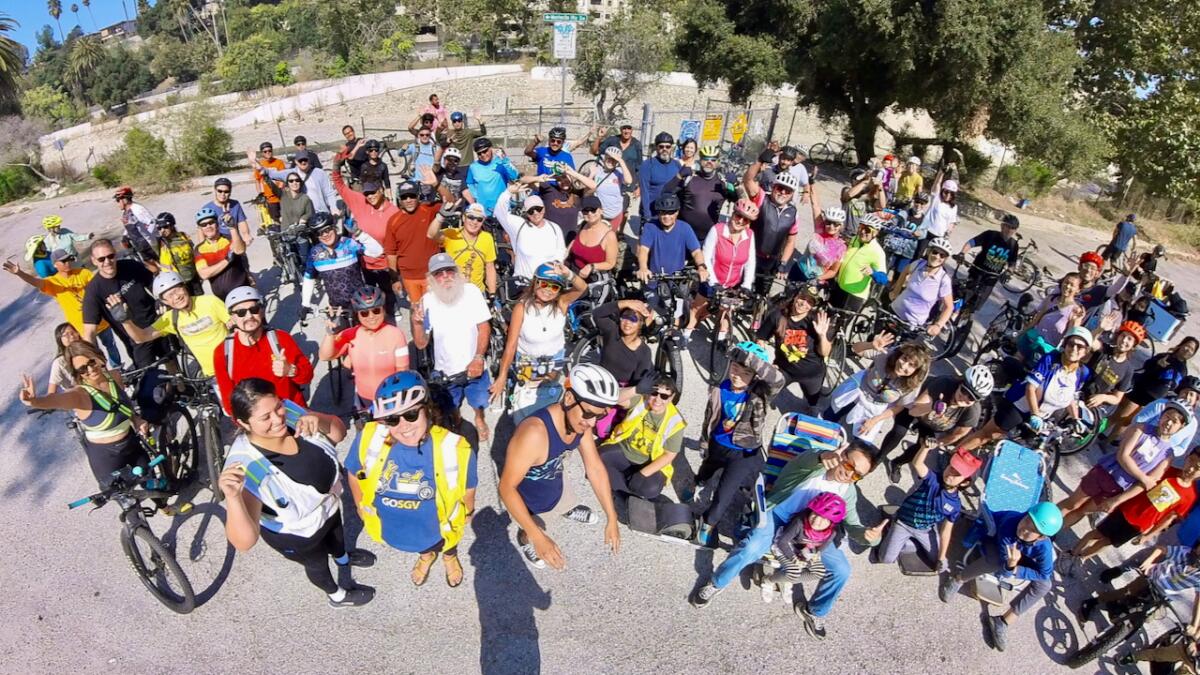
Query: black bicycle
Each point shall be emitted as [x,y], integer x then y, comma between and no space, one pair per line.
[737,306]
[197,393]
[286,252]
[152,561]
[1024,273]
[1127,622]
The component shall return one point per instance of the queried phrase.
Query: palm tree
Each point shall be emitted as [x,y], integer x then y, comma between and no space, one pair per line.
[55,9]
[75,11]
[87,4]
[10,62]
[86,54]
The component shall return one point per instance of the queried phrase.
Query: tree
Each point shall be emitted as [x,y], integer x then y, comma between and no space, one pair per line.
[75,11]
[120,76]
[249,64]
[956,59]
[50,105]
[87,4]
[11,63]
[54,7]
[619,60]
[84,56]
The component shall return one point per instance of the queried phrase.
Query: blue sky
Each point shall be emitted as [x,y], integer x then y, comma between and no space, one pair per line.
[32,16]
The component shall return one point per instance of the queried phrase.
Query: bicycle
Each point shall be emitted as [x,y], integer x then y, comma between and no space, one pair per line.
[1005,328]
[152,561]
[284,251]
[524,371]
[1023,274]
[397,161]
[875,318]
[199,394]
[174,429]
[1125,624]
[733,304]
[969,295]
[665,331]
[830,150]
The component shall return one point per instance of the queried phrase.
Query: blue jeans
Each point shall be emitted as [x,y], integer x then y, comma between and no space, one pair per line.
[751,549]
[109,341]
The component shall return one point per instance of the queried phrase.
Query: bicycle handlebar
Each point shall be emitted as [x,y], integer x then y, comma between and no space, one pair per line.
[120,484]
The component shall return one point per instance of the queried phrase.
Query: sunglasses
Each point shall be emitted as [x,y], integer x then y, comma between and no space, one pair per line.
[101,259]
[408,196]
[372,149]
[246,311]
[293,180]
[364,313]
[534,209]
[939,254]
[548,284]
[68,259]
[780,188]
[855,476]
[208,223]
[446,270]
[663,146]
[422,135]
[478,219]
[664,395]
[1075,344]
[326,230]
[91,363]
[631,318]
[224,192]
[408,416]
[302,161]
[589,414]
[165,227]
[589,210]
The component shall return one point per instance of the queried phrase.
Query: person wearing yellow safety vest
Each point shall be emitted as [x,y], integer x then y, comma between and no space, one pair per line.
[639,452]
[414,482]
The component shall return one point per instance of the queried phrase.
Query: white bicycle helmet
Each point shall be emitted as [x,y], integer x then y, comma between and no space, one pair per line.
[872,221]
[593,384]
[1078,332]
[241,294]
[452,152]
[979,382]
[787,180]
[940,243]
[164,282]
[834,215]
[950,185]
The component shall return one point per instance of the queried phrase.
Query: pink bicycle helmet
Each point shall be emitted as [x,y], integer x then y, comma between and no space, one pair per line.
[829,506]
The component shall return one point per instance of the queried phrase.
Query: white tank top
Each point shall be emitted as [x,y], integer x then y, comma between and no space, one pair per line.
[542,331]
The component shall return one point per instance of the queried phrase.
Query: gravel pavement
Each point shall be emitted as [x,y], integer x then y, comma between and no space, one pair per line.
[72,603]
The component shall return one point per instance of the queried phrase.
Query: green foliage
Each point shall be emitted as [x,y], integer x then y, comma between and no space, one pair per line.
[16,182]
[201,144]
[337,67]
[282,74]
[1028,178]
[249,64]
[353,26]
[143,160]
[50,105]
[454,49]
[107,177]
[184,61]
[11,62]
[398,46]
[619,60]
[121,75]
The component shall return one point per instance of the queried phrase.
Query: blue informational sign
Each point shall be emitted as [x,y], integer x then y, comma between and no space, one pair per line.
[689,129]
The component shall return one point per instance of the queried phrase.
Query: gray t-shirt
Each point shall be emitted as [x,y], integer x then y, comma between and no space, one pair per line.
[942,389]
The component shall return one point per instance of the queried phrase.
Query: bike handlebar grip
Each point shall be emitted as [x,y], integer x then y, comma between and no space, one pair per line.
[157,460]
[79,502]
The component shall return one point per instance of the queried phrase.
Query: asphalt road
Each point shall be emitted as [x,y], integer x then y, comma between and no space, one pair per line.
[72,603]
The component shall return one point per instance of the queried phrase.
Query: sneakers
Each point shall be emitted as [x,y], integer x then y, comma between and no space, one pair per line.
[999,631]
[949,587]
[355,597]
[813,624]
[704,595]
[529,552]
[360,557]
[582,514]
[706,535]
[765,587]
[893,470]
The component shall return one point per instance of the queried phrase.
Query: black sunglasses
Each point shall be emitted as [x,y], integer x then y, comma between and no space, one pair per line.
[91,363]
[246,311]
[369,312]
[106,258]
[475,218]
[588,414]
[325,230]
[589,210]
[664,395]
[408,416]
[294,180]
[223,192]
[408,196]
[534,209]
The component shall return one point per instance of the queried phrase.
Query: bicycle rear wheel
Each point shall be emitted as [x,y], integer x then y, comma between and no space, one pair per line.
[586,350]
[836,368]
[820,153]
[1104,642]
[214,453]
[941,345]
[668,362]
[848,158]
[1022,278]
[157,569]
[177,438]
[587,167]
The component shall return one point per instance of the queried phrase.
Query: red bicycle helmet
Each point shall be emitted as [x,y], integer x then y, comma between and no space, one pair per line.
[1137,330]
[829,506]
[1092,257]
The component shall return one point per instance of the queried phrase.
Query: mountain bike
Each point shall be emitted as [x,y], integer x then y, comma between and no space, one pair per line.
[969,295]
[876,318]
[199,394]
[830,150]
[285,252]
[152,561]
[1024,273]
[1000,336]
[735,304]
[1127,622]
[397,161]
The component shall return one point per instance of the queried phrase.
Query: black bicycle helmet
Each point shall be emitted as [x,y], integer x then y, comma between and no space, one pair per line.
[1159,250]
[481,144]
[921,198]
[857,175]
[666,203]
[1190,382]
[664,137]
[165,219]
[789,152]
[1011,221]
[321,220]
[371,145]
[366,297]
[558,134]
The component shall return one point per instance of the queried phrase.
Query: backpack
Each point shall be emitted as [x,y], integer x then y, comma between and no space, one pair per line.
[272,340]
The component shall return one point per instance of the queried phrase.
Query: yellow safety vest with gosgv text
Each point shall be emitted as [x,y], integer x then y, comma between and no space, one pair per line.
[451,458]
[672,424]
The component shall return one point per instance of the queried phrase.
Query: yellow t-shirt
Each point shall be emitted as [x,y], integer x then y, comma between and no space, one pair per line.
[471,257]
[67,291]
[178,255]
[907,186]
[201,329]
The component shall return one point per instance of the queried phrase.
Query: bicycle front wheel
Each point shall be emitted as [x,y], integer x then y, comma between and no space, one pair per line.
[941,345]
[214,454]
[1103,643]
[586,350]
[820,153]
[668,361]
[177,437]
[848,158]
[157,569]
[1022,278]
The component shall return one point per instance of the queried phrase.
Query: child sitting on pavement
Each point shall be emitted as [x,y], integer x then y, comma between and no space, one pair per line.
[797,546]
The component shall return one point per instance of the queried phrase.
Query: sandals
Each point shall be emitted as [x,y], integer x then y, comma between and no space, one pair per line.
[454,575]
[420,571]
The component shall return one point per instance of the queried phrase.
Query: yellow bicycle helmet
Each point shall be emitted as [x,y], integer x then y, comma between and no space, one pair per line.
[709,151]
[32,244]
[50,222]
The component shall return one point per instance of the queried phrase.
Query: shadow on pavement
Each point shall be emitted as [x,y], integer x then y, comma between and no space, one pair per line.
[204,554]
[507,593]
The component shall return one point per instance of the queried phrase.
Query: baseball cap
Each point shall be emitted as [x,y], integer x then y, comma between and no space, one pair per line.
[532,201]
[441,261]
[476,209]
[590,202]
[60,254]
[407,188]
[303,154]
[266,145]
[965,463]
[369,187]
[626,126]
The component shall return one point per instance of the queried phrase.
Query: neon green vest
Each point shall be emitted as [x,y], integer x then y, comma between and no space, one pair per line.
[632,424]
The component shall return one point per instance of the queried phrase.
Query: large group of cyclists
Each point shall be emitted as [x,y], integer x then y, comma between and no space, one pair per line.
[566,299]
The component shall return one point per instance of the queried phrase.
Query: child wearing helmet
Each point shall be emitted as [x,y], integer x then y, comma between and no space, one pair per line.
[798,545]
[1020,550]
[733,424]
[1113,367]
[413,481]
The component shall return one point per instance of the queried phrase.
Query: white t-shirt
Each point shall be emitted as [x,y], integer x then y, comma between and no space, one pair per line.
[1057,394]
[939,217]
[455,328]
[608,191]
[532,244]
[800,173]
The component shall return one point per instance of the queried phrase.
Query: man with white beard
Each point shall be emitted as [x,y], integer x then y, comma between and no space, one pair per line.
[456,315]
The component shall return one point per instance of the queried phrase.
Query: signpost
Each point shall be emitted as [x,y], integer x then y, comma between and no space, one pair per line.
[711,132]
[738,127]
[566,30]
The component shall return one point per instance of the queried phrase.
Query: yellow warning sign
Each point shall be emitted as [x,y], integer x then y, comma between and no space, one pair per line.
[711,133]
[738,127]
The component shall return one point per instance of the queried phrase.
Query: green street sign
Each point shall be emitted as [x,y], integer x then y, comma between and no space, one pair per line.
[558,16]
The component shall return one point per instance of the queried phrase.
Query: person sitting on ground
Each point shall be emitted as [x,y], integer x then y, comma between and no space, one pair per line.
[732,433]
[1052,386]
[798,545]
[640,453]
[293,498]
[201,321]
[532,482]
[925,520]
[220,261]
[800,339]
[1143,517]
[414,481]
[253,349]
[800,481]
[177,253]
[1020,549]
[1137,466]
[946,410]
[893,378]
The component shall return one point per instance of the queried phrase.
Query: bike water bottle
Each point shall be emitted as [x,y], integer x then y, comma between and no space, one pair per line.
[939,406]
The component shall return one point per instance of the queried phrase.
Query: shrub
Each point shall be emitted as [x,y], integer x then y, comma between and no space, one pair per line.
[143,160]
[249,64]
[16,182]
[105,174]
[201,144]
[1029,178]
[283,74]
[50,105]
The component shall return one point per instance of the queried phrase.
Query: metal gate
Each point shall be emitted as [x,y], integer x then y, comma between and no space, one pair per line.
[717,123]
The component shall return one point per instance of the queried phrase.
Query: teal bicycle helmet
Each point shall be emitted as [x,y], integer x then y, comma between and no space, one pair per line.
[546,272]
[743,351]
[1046,518]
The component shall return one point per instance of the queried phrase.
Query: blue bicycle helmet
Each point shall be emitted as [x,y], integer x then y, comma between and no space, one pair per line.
[397,393]
[546,272]
[366,297]
[742,351]
[1046,518]
[206,213]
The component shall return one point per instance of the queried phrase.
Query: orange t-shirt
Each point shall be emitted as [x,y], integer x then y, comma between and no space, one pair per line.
[259,178]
